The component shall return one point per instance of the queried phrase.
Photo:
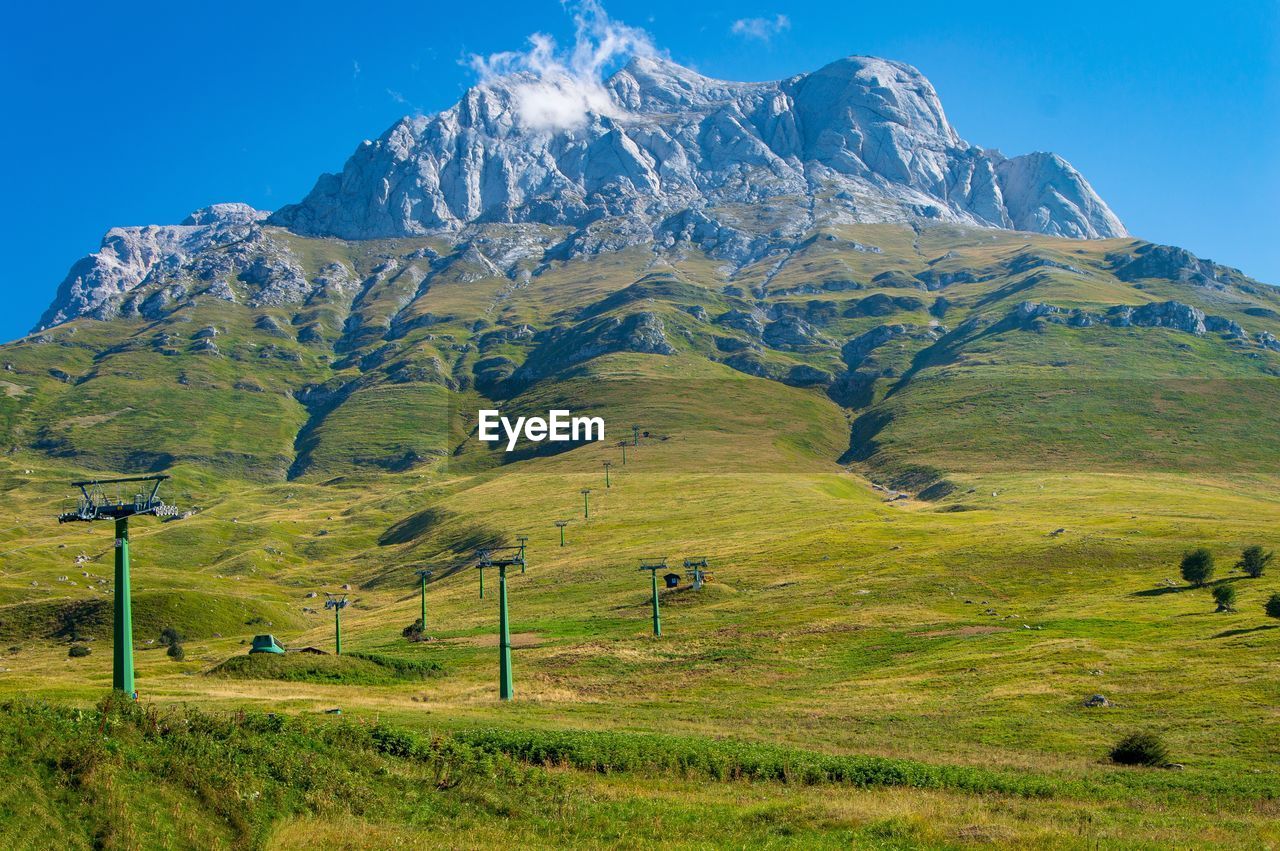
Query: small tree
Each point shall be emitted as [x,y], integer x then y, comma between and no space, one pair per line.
[1197,567]
[176,653]
[1140,749]
[170,636]
[1273,606]
[413,631]
[1254,560]
[1225,597]
[79,650]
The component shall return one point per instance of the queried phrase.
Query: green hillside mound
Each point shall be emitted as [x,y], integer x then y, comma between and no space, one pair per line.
[712,592]
[194,614]
[350,669]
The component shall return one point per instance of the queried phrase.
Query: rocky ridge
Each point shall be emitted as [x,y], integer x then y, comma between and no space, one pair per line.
[860,140]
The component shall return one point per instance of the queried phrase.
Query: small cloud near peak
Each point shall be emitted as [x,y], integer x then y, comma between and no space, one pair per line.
[761,29]
[555,88]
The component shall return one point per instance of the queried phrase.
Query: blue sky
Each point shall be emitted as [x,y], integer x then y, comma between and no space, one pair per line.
[138,114]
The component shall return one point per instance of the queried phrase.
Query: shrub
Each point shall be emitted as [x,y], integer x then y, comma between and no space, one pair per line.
[1225,597]
[170,636]
[1253,561]
[413,631]
[79,650]
[1140,749]
[1197,566]
[1273,606]
[176,653]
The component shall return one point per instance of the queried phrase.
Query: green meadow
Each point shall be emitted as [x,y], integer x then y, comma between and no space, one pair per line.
[912,597]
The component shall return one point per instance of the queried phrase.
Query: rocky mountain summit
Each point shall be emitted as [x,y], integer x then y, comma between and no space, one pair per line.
[666,157]
[861,140]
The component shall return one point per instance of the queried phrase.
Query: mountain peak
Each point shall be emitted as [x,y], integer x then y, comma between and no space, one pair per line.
[233,213]
[866,136]
[656,154]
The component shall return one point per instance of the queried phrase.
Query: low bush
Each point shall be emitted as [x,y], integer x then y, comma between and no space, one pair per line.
[1144,748]
[176,653]
[78,651]
[1272,606]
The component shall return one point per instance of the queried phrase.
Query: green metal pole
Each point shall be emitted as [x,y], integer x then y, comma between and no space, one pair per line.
[586,509]
[504,638]
[337,631]
[122,648]
[606,477]
[624,453]
[482,583]
[657,619]
[424,604]
[635,435]
[562,536]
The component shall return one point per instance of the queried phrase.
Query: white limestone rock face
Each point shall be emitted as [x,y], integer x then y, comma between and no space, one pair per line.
[659,155]
[128,256]
[1043,193]
[867,136]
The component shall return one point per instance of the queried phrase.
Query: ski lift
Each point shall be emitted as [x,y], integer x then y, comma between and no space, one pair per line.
[103,499]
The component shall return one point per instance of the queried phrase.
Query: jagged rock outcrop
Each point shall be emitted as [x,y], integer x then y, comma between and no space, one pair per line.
[1043,193]
[791,333]
[749,322]
[1163,261]
[868,134]
[96,284]
[1165,314]
[220,251]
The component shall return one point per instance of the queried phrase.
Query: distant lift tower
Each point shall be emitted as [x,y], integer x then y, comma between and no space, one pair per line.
[337,603]
[423,576]
[696,569]
[502,558]
[561,524]
[95,503]
[653,565]
[607,465]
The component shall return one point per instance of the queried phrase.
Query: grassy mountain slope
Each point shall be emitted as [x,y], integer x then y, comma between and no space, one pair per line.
[1079,460]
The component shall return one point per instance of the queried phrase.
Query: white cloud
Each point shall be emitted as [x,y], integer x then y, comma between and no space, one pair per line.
[762,29]
[556,89]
